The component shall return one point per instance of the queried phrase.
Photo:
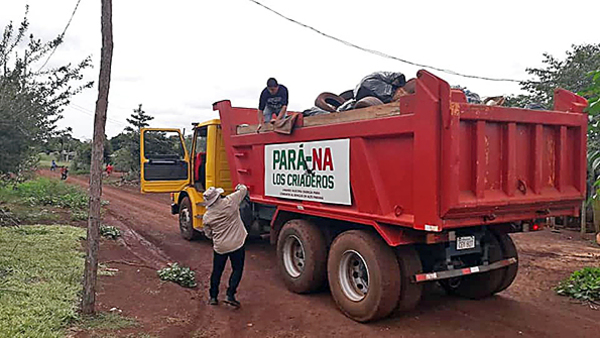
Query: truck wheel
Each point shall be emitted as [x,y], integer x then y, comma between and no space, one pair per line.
[302,256]
[410,265]
[509,250]
[479,285]
[186,227]
[364,275]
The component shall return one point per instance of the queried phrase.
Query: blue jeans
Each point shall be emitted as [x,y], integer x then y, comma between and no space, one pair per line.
[268,113]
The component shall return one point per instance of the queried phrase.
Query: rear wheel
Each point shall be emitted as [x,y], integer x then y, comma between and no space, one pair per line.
[410,265]
[480,285]
[364,275]
[509,250]
[302,256]
[186,227]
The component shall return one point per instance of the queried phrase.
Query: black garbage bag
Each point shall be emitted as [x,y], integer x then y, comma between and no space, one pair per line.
[471,96]
[382,85]
[314,111]
[535,106]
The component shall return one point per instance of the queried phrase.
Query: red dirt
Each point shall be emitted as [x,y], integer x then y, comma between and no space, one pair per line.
[529,308]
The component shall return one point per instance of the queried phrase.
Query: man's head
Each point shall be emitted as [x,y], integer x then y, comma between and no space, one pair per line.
[272,85]
[211,195]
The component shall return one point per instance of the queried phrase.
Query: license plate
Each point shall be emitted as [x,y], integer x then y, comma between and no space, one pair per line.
[463,243]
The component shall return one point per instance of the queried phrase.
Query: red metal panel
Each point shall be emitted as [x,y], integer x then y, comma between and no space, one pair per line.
[480,159]
[562,174]
[510,160]
[537,158]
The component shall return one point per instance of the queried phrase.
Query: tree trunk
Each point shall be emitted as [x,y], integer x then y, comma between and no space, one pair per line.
[91,262]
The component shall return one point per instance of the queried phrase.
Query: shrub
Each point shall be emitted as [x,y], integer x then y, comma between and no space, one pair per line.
[45,191]
[582,285]
[183,276]
[109,231]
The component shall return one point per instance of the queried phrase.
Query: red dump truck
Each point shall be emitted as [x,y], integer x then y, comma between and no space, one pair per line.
[380,200]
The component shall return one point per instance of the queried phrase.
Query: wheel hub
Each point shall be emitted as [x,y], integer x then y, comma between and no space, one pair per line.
[294,256]
[354,276]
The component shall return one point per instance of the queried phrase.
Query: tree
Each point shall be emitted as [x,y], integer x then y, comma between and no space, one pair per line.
[139,119]
[88,300]
[570,74]
[83,159]
[31,99]
[127,156]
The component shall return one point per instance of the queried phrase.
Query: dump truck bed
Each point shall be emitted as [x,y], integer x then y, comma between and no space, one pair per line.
[430,161]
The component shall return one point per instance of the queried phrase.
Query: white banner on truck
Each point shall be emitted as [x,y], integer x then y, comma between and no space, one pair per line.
[311,171]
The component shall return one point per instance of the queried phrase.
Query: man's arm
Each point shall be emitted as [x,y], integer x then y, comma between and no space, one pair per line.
[207,231]
[238,196]
[282,112]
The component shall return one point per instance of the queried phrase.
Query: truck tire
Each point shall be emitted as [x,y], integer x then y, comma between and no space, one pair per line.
[302,256]
[364,275]
[186,227]
[410,265]
[480,285]
[509,250]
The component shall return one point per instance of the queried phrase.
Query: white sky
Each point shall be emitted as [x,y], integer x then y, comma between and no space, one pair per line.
[178,57]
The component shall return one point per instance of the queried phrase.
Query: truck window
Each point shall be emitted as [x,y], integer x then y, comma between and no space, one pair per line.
[163,145]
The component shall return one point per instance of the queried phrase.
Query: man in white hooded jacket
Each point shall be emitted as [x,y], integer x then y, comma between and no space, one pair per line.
[223,224]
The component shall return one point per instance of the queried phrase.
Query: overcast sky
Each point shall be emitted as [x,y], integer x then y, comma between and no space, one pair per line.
[178,57]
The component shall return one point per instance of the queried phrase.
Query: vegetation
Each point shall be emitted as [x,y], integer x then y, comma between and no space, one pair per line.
[32,97]
[109,231]
[106,321]
[582,285]
[183,276]
[38,297]
[571,73]
[33,201]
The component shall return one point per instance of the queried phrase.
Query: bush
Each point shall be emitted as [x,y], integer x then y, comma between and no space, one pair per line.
[582,285]
[45,191]
[183,276]
[110,231]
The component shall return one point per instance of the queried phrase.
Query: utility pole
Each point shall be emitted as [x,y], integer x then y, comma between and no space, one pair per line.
[88,301]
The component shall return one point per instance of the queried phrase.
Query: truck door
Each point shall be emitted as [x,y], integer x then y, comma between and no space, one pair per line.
[165,163]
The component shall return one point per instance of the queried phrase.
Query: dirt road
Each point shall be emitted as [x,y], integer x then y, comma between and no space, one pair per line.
[529,308]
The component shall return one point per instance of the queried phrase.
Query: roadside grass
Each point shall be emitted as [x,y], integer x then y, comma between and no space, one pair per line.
[37,201]
[41,268]
[106,321]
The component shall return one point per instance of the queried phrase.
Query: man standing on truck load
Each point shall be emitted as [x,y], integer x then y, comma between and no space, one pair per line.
[273,100]
[222,223]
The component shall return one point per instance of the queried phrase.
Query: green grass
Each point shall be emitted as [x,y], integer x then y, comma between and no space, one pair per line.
[40,277]
[44,191]
[107,321]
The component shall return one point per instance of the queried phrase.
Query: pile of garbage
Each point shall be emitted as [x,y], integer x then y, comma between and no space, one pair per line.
[374,89]
[384,87]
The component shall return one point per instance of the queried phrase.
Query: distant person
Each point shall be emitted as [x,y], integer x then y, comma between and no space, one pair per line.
[53,166]
[64,172]
[222,223]
[109,169]
[273,101]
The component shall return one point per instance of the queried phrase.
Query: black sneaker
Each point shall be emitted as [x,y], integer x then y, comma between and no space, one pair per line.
[232,301]
[213,301]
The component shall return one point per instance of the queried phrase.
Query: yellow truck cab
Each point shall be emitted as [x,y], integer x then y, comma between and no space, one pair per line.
[168,167]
